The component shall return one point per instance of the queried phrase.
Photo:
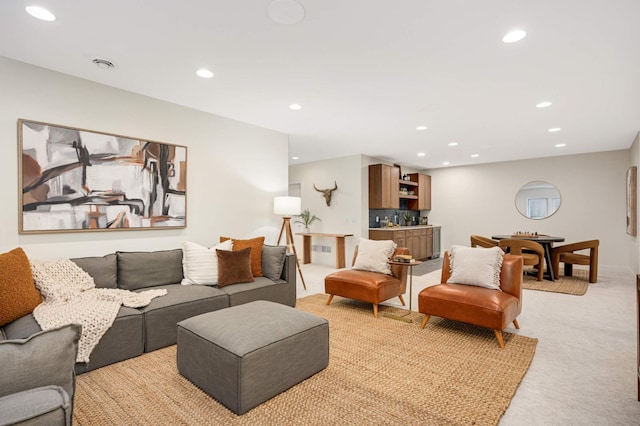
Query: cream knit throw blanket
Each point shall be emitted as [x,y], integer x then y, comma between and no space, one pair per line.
[70,296]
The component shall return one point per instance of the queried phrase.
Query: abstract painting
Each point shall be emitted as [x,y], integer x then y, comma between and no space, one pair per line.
[79,180]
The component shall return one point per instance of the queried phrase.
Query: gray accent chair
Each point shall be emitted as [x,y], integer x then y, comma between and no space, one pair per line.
[37,383]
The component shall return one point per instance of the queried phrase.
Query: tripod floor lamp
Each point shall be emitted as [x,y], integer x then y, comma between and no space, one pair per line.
[287,207]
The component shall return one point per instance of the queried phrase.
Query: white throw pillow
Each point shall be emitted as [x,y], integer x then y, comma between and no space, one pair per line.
[476,266]
[374,255]
[200,264]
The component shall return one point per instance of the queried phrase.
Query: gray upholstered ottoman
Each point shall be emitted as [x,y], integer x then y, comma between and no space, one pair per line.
[247,354]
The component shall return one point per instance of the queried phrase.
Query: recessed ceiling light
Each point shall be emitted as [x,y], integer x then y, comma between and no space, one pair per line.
[554,129]
[421,154]
[103,64]
[445,163]
[560,145]
[295,158]
[40,13]
[421,128]
[543,104]
[204,73]
[514,36]
[475,155]
[453,144]
[295,107]
[286,12]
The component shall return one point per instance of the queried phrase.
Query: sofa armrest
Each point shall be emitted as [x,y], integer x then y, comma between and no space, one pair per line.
[48,405]
[289,275]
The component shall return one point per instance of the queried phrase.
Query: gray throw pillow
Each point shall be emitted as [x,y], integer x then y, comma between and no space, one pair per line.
[273,261]
[46,358]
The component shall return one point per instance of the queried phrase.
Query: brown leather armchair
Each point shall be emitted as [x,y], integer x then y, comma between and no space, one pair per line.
[479,306]
[370,287]
[532,253]
[566,254]
[480,241]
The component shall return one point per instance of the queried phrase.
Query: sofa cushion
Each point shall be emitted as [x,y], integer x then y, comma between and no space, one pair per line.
[273,261]
[46,358]
[104,269]
[200,264]
[18,293]
[234,266]
[21,328]
[149,269]
[180,302]
[262,288]
[477,266]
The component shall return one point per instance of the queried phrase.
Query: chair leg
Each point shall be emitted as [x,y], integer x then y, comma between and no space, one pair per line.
[593,274]
[424,320]
[568,269]
[540,272]
[498,334]
[375,310]
[330,299]
[402,300]
[515,324]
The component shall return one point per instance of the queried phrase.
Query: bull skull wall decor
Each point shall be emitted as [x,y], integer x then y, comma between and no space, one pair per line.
[326,193]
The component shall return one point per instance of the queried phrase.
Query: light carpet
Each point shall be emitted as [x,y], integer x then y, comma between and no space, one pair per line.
[381,371]
[576,285]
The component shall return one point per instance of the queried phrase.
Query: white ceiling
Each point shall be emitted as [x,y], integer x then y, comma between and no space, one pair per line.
[366,72]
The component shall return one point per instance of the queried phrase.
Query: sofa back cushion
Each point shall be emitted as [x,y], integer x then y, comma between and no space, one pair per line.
[46,358]
[104,270]
[149,269]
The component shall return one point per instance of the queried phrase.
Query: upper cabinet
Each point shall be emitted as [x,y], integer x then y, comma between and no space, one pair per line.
[388,191]
[423,201]
[383,187]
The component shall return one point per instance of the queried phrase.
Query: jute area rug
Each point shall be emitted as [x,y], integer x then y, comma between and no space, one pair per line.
[381,371]
[576,285]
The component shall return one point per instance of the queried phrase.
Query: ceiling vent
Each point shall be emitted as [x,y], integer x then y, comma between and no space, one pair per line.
[103,64]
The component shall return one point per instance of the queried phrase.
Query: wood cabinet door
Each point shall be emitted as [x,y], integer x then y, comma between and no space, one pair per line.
[383,187]
[429,242]
[424,192]
[422,245]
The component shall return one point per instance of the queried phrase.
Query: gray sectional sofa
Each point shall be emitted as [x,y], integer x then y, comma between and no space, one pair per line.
[136,331]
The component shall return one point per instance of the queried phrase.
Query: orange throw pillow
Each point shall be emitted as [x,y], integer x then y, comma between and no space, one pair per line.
[256,252]
[18,293]
[234,266]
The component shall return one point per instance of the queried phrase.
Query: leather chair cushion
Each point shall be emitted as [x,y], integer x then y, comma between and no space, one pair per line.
[365,286]
[473,305]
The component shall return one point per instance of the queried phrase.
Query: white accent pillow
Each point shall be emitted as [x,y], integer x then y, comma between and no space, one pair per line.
[374,255]
[200,264]
[476,266]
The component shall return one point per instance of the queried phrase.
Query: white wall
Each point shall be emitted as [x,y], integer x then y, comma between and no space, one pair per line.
[234,169]
[479,199]
[347,214]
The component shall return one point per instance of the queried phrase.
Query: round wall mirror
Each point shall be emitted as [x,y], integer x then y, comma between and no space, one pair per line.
[538,200]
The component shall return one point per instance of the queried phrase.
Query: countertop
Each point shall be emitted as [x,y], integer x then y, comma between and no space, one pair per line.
[400,228]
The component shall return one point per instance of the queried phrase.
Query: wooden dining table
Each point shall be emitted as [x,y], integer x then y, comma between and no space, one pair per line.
[546,241]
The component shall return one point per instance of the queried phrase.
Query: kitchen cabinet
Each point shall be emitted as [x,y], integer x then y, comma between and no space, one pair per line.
[423,188]
[429,243]
[419,240]
[384,187]
[388,191]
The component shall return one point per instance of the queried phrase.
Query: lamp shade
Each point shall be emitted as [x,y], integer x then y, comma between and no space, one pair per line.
[287,206]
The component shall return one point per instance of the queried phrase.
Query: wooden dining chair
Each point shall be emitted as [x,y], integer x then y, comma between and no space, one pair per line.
[566,254]
[480,241]
[532,253]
